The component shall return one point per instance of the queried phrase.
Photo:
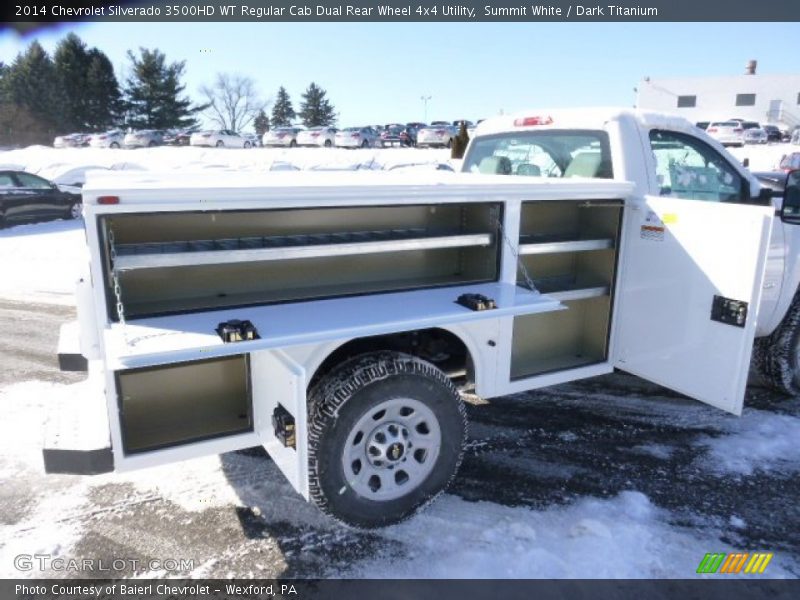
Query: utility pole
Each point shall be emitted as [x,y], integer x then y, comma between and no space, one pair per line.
[425,106]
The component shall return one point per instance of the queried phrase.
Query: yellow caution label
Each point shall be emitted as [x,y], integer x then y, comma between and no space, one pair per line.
[669,218]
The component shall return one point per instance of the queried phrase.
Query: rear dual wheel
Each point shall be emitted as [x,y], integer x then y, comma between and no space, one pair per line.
[386,436]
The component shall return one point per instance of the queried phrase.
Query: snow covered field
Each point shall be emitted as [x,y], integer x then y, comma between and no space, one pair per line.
[610,477]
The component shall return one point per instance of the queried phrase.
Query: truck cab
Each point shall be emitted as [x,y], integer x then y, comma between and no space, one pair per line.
[662,156]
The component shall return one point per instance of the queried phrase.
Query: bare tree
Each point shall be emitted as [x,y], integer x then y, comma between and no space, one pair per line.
[233,101]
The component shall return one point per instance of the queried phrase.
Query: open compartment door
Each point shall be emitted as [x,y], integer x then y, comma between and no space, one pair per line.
[689,293]
[279,407]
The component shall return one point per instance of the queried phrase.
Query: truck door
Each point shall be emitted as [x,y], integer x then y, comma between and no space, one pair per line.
[691,275]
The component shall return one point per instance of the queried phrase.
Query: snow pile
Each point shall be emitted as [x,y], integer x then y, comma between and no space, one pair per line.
[758,441]
[42,262]
[625,537]
[69,165]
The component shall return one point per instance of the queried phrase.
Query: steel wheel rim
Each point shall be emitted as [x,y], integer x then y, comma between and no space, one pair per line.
[392,449]
[75,211]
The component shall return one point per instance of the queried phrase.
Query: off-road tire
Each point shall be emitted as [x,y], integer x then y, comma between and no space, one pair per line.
[343,397]
[776,357]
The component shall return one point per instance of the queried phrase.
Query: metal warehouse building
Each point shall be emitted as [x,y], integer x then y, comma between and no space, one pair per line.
[751,96]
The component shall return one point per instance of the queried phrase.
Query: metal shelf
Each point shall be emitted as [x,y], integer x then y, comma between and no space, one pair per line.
[552,244]
[568,288]
[253,249]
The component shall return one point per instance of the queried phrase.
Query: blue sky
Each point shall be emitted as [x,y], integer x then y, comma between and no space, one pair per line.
[377,72]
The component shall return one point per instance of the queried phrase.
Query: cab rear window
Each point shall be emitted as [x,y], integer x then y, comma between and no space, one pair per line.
[544,153]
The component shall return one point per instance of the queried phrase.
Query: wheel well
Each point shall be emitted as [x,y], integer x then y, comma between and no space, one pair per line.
[440,347]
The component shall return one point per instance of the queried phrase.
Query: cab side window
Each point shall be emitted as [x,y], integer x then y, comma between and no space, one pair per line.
[688,168]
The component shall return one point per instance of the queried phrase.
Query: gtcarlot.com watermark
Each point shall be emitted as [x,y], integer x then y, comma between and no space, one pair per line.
[48,562]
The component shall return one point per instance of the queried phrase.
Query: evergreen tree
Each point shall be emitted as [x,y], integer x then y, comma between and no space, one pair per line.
[71,64]
[154,93]
[29,84]
[261,123]
[315,109]
[282,111]
[103,97]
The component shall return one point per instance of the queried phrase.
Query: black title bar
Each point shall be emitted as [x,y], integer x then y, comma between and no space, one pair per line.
[21,14]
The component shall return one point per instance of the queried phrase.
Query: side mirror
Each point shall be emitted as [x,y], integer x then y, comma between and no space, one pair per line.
[790,210]
[746,163]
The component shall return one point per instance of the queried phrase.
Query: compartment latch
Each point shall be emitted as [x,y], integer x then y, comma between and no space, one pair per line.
[727,310]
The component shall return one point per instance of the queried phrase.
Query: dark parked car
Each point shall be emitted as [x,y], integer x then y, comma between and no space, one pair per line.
[773,133]
[397,134]
[27,197]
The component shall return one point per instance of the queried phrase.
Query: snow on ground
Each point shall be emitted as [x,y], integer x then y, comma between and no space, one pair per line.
[624,536]
[41,262]
[762,441]
[69,165]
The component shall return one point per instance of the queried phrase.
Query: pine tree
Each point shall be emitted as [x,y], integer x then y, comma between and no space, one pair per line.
[282,111]
[154,93]
[315,109]
[261,123]
[29,85]
[71,64]
[103,96]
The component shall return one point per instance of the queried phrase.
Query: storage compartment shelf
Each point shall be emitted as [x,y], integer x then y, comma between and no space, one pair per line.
[272,248]
[570,288]
[531,244]
[188,336]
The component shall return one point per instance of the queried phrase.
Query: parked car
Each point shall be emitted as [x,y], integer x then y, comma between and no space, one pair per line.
[110,139]
[71,140]
[774,134]
[253,138]
[178,137]
[790,162]
[755,135]
[145,138]
[702,125]
[727,133]
[396,134]
[458,123]
[795,137]
[416,125]
[356,137]
[219,138]
[317,136]
[440,136]
[28,197]
[282,136]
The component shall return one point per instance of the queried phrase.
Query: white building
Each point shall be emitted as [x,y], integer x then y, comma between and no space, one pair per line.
[764,98]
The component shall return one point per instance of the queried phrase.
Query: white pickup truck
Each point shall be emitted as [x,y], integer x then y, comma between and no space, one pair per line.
[337,319]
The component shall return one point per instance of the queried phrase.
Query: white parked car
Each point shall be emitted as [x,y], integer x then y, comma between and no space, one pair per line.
[72,140]
[110,139]
[356,137]
[727,133]
[219,138]
[317,136]
[440,136]
[755,135]
[145,138]
[282,136]
[253,138]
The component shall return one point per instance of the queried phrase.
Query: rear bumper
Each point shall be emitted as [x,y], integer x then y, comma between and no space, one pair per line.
[76,433]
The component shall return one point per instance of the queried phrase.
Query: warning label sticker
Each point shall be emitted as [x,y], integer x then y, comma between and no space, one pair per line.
[655,234]
[653,228]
